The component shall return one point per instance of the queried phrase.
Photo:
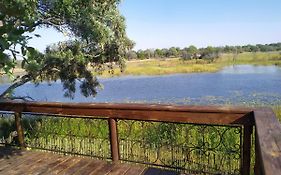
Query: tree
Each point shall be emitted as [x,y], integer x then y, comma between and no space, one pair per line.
[99,41]
[131,55]
[141,54]
[149,53]
[173,52]
[229,49]
[158,53]
[185,55]
[165,52]
[192,51]
[209,53]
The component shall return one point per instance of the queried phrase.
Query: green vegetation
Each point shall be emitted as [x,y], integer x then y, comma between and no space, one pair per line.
[254,58]
[178,65]
[193,60]
[168,66]
[192,52]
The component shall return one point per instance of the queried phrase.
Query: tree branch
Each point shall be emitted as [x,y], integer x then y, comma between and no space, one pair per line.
[23,98]
[23,80]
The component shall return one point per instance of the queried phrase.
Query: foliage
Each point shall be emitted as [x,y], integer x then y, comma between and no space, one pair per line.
[192,51]
[131,55]
[99,41]
[208,53]
[173,52]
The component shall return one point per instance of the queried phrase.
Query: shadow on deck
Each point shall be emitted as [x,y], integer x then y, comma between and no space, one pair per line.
[15,161]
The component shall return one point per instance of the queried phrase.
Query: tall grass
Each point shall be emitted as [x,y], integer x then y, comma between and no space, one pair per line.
[163,67]
[176,65]
[254,58]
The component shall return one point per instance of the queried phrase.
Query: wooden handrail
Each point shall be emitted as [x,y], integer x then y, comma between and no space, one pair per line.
[268,142]
[127,106]
[148,112]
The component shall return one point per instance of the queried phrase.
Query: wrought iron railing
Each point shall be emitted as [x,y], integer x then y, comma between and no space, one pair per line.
[191,148]
[197,140]
[67,134]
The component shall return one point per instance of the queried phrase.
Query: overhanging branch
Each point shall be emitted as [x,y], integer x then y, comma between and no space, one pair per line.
[22,81]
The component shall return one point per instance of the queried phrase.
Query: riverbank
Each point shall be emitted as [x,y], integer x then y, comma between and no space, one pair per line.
[176,65]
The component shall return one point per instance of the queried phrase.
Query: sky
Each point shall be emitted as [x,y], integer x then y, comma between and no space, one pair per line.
[180,23]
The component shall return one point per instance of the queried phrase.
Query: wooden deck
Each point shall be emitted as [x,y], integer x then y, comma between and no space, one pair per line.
[15,161]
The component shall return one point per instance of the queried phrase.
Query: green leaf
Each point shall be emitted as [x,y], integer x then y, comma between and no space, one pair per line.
[30,49]
[3,43]
[23,50]
[18,31]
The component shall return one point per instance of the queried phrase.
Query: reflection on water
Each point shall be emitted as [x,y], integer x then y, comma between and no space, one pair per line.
[250,69]
[234,84]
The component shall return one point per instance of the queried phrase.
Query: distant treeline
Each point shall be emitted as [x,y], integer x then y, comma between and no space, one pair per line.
[192,52]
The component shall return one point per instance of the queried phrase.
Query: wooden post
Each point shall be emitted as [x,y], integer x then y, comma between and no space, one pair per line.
[114,145]
[19,129]
[257,168]
[246,157]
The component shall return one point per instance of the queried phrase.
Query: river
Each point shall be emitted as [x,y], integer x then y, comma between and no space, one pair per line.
[232,85]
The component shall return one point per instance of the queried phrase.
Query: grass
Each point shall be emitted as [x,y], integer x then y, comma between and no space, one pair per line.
[165,67]
[176,65]
[259,58]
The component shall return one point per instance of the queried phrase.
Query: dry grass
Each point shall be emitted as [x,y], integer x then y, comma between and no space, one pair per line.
[168,66]
[176,65]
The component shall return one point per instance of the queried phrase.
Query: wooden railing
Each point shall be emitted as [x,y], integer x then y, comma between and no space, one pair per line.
[200,120]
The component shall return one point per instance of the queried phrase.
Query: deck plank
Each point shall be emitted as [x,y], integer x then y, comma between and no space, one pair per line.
[11,165]
[135,170]
[94,164]
[105,169]
[49,165]
[42,165]
[119,169]
[27,166]
[21,162]
[75,167]
[69,161]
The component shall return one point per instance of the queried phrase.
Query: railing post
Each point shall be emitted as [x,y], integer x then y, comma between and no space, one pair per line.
[114,144]
[257,168]
[246,157]
[19,129]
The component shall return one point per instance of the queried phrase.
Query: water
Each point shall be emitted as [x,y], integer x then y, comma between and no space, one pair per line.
[234,84]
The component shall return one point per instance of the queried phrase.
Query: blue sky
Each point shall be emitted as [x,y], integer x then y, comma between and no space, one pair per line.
[167,23]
